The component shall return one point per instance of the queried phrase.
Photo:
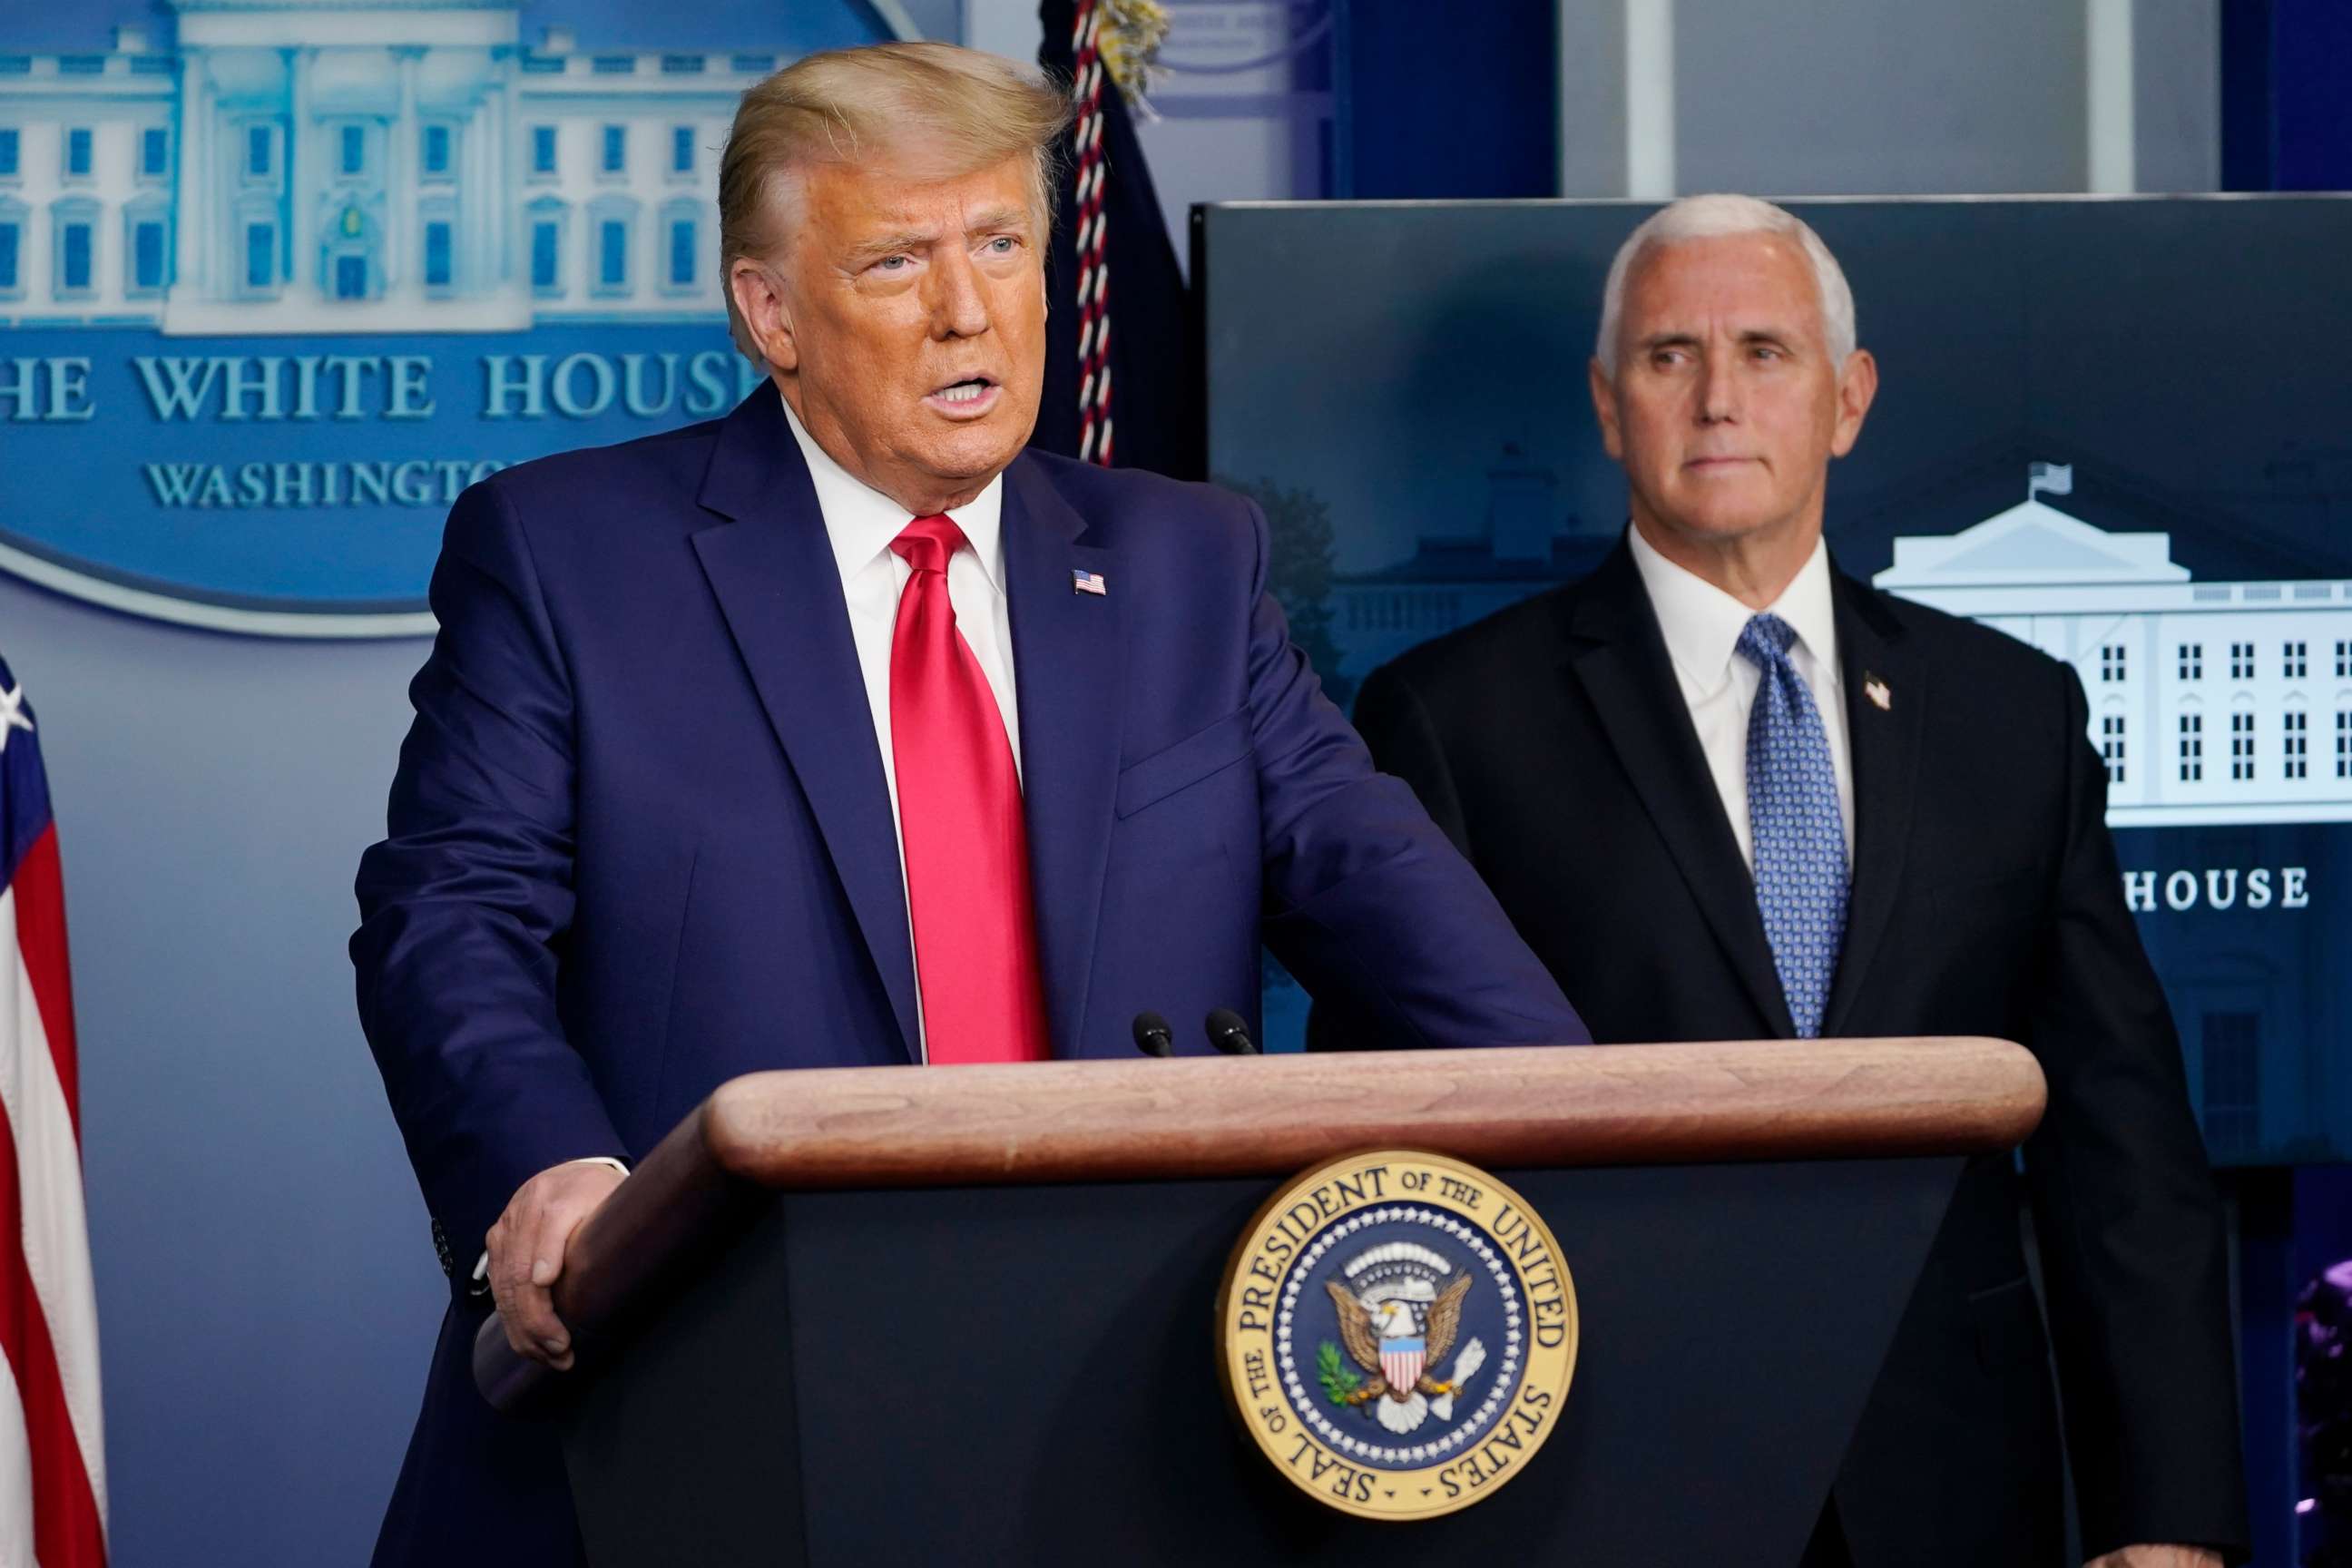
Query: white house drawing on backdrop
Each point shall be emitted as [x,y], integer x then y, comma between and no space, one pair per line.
[2212,703]
[356,166]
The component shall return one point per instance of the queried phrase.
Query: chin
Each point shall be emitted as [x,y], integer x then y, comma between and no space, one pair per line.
[1728,517]
[963,460]
[974,449]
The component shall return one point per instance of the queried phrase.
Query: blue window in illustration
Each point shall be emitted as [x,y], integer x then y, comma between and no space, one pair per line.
[436,254]
[11,236]
[354,159]
[436,157]
[351,276]
[74,258]
[681,253]
[147,256]
[8,150]
[546,256]
[154,152]
[77,154]
[613,254]
[258,159]
[681,149]
[260,255]
[542,149]
[617,149]
[2233,1080]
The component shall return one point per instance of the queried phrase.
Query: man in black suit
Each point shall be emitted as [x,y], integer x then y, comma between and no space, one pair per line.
[1725,791]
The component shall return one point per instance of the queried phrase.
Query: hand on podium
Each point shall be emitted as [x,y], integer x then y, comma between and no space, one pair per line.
[2158,1557]
[527,1246]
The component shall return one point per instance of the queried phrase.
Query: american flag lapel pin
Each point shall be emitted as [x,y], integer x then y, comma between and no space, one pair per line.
[1876,690]
[1087,583]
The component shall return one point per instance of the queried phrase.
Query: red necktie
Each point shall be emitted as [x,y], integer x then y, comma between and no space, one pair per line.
[960,820]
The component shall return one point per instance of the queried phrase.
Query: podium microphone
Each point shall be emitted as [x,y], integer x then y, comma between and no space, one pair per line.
[1229,1033]
[1153,1037]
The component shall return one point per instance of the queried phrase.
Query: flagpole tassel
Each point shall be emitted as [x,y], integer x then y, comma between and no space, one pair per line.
[1090,231]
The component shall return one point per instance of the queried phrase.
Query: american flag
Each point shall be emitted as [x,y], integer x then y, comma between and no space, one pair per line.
[52,1451]
[1087,582]
[2056,479]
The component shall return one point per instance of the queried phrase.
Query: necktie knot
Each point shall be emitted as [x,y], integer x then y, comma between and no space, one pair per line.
[1765,639]
[926,542]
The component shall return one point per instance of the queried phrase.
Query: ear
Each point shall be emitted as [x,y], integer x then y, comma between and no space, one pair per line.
[1857,386]
[1604,409]
[759,298]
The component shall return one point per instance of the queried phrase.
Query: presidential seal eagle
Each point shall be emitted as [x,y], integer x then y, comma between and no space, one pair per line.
[1399,1356]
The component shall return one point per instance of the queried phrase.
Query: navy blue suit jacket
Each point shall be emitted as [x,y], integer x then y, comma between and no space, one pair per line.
[640,839]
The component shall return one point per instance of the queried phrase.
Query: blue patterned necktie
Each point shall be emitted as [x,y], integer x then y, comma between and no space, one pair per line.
[1792,807]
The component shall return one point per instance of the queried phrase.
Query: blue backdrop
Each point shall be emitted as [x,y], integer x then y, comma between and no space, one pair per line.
[2192,561]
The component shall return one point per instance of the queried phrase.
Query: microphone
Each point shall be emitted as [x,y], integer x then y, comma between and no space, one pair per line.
[1153,1037]
[1229,1033]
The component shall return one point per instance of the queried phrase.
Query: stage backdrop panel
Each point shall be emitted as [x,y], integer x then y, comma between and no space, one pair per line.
[2112,428]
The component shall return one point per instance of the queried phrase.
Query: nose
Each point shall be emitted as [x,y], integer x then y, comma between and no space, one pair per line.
[1718,392]
[958,300]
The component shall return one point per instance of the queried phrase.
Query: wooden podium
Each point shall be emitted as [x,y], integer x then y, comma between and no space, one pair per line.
[863,1317]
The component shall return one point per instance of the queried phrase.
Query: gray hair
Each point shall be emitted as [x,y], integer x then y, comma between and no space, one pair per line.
[1713,217]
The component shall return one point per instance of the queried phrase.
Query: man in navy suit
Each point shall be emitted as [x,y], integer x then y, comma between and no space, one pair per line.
[1730,793]
[841,731]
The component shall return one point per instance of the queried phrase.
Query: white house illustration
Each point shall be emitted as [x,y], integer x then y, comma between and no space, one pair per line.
[2213,703]
[360,166]
[1526,545]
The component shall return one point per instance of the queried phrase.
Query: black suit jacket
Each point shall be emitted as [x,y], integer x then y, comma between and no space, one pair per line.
[1553,744]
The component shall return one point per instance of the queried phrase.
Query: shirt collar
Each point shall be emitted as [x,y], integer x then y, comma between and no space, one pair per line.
[860,522]
[1702,622]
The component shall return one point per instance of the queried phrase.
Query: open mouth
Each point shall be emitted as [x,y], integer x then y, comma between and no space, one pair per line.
[971,393]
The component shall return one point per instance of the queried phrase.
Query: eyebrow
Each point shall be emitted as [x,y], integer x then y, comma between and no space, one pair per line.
[892,244]
[992,219]
[1000,218]
[1690,339]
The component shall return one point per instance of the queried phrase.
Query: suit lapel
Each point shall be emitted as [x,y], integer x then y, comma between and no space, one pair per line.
[1069,663]
[1619,656]
[1886,750]
[779,589]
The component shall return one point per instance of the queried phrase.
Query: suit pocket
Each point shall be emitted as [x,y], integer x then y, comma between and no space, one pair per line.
[1185,763]
[2008,1324]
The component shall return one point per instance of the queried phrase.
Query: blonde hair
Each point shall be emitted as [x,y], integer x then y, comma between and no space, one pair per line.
[943,110]
[1712,217]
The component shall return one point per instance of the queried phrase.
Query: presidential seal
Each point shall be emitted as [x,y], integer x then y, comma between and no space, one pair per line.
[1396,1330]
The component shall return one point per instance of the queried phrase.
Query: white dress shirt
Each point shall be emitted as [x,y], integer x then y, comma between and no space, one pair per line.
[860,522]
[1702,626]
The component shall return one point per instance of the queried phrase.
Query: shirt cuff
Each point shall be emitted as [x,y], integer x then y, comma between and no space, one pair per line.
[481,1274]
